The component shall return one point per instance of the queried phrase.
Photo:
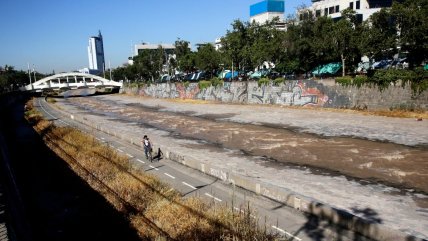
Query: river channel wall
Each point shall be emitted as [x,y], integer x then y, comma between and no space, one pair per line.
[320,93]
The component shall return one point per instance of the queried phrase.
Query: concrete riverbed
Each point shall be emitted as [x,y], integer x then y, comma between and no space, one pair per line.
[374,167]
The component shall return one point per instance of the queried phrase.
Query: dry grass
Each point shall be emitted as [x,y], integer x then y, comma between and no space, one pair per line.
[152,207]
[192,101]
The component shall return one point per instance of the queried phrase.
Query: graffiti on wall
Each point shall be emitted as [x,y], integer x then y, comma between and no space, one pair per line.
[188,92]
[296,92]
[228,92]
[290,93]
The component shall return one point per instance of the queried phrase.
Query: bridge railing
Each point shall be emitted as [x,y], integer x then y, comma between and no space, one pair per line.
[71,80]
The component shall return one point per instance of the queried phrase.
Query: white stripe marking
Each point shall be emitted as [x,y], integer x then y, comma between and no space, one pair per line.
[131,156]
[187,184]
[154,168]
[57,119]
[169,175]
[102,138]
[119,150]
[285,232]
[140,161]
[211,196]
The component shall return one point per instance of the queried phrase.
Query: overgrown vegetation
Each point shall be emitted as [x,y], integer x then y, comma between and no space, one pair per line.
[263,81]
[152,207]
[11,79]
[417,78]
[360,80]
[278,81]
[203,84]
[186,84]
[345,81]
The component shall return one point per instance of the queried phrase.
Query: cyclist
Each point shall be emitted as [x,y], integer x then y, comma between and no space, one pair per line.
[147,147]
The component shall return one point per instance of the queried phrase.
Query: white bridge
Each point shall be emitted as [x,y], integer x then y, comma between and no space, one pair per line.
[71,81]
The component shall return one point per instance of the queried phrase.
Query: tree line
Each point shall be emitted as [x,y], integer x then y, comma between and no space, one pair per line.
[314,41]
[401,29]
[11,79]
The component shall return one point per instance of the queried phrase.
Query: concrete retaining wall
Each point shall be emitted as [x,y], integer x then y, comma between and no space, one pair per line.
[339,217]
[321,93]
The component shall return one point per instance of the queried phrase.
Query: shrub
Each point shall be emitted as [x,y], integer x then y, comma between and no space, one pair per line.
[203,84]
[420,81]
[186,84]
[345,81]
[359,80]
[263,81]
[216,82]
[278,81]
[417,78]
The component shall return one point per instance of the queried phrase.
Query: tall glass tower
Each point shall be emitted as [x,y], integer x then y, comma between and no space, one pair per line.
[96,53]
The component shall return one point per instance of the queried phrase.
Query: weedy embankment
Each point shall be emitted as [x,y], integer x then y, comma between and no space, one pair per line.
[151,206]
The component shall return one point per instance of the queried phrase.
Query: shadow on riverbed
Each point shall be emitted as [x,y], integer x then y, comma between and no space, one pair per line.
[57,204]
[323,223]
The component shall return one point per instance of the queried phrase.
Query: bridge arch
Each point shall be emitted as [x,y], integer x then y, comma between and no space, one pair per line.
[70,80]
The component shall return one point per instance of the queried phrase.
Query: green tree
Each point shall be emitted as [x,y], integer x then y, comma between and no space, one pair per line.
[412,27]
[183,54]
[148,64]
[345,38]
[12,79]
[266,43]
[322,41]
[299,46]
[378,38]
[207,59]
[188,62]
[236,46]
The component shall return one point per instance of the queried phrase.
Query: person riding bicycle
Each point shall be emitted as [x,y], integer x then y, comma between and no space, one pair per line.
[147,147]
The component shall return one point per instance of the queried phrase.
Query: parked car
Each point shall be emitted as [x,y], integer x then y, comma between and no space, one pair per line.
[273,75]
[383,64]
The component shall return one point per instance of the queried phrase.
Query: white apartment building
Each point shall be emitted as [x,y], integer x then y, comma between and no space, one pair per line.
[332,8]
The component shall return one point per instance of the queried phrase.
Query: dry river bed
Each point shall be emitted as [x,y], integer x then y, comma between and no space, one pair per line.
[367,155]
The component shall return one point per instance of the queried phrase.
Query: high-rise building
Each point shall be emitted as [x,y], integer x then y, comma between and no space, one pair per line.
[96,53]
[267,10]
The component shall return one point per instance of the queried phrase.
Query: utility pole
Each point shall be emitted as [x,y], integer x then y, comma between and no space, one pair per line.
[34,72]
[109,67]
[29,73]
[231,78]
[104,70]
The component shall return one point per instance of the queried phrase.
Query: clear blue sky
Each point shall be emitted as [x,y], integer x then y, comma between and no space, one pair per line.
[53,34]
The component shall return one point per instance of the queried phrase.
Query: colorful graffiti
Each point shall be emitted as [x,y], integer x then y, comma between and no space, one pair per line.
[290,93]
[297,92]
[188,92]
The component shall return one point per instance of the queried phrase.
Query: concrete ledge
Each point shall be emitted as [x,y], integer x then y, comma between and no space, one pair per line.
[308,205]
